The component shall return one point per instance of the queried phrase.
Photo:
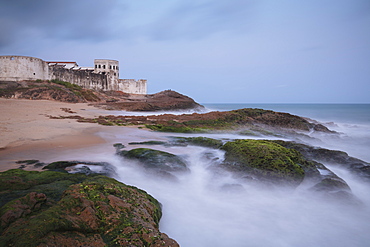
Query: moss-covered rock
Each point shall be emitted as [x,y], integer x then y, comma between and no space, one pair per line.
[248,119]
[264,160]
[61,166]
[332,157]
[198,141]
[91,211]
[177,128]
[156,160]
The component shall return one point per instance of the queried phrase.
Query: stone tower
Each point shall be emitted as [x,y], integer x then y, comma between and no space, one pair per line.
[109,68]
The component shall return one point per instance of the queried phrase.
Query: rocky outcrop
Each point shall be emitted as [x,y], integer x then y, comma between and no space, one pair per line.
[271,163]
[109,100]
[59,209]
[245,120]
[102,168]
[160,163]
[264,160]
[332,157]
[162,101]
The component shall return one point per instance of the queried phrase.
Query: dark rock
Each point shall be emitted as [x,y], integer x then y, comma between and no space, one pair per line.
[198,141]
[63,166]
[91,211]
[148,143]
[331,184]
[232,188]
[156,160]
[118,146]
[162,101]
[332,157]
[28,162]
[271,163]
[35,163]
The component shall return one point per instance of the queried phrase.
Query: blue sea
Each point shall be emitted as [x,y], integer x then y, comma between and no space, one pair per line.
[344,113]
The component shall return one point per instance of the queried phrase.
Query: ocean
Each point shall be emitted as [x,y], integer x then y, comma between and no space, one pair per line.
[199,212]
[346,113]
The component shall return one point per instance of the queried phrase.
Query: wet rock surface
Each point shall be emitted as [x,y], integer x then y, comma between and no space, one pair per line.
[245,121]
[162,164]
[85,167]
[332,157]
[58,209]
[264,160]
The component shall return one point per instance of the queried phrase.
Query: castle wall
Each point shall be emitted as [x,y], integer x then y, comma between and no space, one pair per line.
[132,86]
[104,76]
[18,68]
[84,78]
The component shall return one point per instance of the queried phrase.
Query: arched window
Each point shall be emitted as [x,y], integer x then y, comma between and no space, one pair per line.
[99,66]
[104,66]
[110,66]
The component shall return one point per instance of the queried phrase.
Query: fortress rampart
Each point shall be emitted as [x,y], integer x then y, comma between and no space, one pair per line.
[18,68]
[103,76]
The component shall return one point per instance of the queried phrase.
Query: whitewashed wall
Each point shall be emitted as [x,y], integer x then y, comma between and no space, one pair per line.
[17,68]
[132,86]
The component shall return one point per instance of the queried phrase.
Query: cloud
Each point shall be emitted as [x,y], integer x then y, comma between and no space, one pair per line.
[194,20]
[60,20]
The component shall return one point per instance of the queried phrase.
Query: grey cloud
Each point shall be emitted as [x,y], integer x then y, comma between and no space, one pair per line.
[67,19]
[198,20]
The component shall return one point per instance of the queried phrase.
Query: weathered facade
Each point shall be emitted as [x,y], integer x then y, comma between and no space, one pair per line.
[103,76]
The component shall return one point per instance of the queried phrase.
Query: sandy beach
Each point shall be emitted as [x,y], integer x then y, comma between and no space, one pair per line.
[25,126]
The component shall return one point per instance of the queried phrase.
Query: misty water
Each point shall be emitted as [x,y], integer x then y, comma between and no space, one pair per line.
[208,207]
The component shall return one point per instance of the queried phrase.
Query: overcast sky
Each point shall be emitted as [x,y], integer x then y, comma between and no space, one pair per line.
[215,51]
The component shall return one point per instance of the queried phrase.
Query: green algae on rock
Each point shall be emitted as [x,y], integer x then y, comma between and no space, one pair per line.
[333,157]
[155,159]
[198,141]
[265,160]
[88,211]
[249,121]
[61,166]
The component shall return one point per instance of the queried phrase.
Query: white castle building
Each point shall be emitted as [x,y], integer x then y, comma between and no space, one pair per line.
[103,76]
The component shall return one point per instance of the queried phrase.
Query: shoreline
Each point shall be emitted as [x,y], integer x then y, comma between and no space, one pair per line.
[27,130]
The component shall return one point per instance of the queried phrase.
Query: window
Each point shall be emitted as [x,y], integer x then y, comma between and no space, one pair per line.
[104,66]
[96,66]
[99,66]
[117,67]
[114,74]
[110,66]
